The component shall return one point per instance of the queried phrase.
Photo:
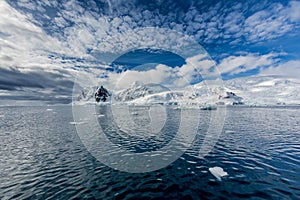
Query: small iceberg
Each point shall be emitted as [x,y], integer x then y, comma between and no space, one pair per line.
[218,172]
[208,108]
[76,123]
[49,109]
[229,131]
[99,115]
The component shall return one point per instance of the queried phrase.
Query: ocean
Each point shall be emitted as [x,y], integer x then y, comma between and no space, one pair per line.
[46,153]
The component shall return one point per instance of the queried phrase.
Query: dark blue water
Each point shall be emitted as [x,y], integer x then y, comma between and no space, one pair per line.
[42,157]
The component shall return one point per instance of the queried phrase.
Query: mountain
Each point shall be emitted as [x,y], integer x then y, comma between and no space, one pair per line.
[266,90]
[198,94]
[254,90]
[139,90]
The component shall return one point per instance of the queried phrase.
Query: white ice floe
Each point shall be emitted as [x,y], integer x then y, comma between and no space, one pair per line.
[76,123]
[218,172]
[49,109]
[229,131]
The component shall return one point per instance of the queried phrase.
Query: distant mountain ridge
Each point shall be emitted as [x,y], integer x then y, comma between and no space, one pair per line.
[254,90]
[266,90]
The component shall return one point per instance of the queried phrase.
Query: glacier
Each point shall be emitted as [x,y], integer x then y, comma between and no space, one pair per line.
[250,91]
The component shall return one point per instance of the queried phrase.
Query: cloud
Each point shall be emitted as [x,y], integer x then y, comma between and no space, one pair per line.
[44,36]
[287,69]
[292,11]
[160,75]
[223,22]
[196,69]
[237,64]
[36,85]
[25,44]
[75,31]
[267,24]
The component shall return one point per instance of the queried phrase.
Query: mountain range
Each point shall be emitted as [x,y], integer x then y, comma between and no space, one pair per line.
[252,91]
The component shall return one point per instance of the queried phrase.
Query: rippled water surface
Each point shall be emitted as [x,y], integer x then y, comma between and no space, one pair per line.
[42,156]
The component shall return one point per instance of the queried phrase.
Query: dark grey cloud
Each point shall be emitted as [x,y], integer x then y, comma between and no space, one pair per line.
[36,85]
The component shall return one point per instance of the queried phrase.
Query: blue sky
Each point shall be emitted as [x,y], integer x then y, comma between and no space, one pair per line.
[43,44]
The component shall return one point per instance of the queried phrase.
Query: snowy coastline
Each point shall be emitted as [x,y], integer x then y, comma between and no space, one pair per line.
[249,91]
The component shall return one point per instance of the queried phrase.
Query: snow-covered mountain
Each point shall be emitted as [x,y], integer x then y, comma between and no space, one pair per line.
[139,90]
[200,94]
[255,90]
[266,90]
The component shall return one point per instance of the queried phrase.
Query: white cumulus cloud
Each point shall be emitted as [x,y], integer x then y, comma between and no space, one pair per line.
[287,69]
[242,63]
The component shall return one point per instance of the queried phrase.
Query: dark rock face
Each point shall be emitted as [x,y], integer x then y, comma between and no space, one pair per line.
[101,94]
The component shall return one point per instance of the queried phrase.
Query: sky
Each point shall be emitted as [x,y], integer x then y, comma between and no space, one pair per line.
[46,45]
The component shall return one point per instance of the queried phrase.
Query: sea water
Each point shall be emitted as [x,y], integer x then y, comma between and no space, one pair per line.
[42,155]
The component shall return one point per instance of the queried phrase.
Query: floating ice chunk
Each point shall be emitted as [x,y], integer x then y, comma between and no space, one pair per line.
[229,131]
[75,123]
[208,108]
[134,113]
[218,172]
[100,115]
[49,109]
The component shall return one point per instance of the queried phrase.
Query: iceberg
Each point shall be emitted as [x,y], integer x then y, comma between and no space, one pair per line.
[77,123]
[218,172]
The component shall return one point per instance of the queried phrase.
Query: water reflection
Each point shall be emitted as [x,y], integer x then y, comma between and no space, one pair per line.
[132,128]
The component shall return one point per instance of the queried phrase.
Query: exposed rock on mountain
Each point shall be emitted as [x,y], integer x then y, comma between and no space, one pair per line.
[241,91]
